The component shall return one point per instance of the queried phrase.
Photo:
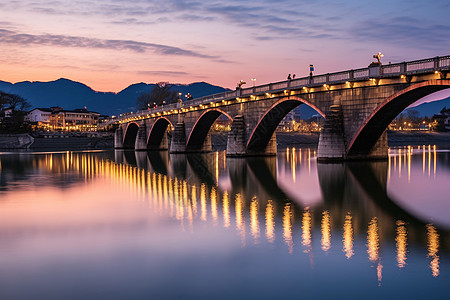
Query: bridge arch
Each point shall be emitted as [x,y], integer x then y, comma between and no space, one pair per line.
[129,139]
[201,128]
[368,134]
[264,129]
[157,133]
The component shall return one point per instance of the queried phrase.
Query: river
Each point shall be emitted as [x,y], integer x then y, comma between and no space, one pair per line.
[137,225]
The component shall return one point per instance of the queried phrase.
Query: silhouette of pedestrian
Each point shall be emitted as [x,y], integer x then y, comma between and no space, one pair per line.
[289,77]
[293,76]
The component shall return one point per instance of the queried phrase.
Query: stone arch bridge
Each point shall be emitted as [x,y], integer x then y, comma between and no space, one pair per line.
[357,105]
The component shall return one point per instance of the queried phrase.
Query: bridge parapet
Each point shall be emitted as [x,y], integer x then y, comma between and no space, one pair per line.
[360,102]
[429,65]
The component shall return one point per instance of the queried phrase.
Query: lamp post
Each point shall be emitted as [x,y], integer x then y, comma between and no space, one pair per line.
[254,81]
[378,56]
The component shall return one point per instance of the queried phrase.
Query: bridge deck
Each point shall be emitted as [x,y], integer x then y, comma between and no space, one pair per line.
[423,66]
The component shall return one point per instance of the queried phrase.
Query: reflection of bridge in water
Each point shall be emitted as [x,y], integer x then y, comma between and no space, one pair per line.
[191,189]
[355,201]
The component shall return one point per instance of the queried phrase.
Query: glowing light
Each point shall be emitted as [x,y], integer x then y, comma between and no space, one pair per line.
[348,236]
[373,240]
[401,242]
[287,227]
[306,230]
[240,221]
[214,205]
[254,223]
[326,231]
[270,222]
[433,249]
[226,210]
[203,202]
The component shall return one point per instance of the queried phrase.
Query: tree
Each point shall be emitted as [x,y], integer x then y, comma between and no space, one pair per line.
[159,95]
[13,102]
[413,115]
[17,106]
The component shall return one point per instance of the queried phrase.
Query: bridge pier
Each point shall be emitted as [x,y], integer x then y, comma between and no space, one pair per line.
[332,141]
[236,140]
[207,144]
[178,141]
[332,138]
[118,138]
[141,138]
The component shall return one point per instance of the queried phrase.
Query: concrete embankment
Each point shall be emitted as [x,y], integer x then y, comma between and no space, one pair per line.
[395,139]
[418,138]
[69,141]
[16,141]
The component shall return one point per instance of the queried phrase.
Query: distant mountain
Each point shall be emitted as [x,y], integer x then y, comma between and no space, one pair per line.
[428,109]
[71,94]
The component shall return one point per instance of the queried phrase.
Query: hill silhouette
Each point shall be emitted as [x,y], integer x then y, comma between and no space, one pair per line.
[71,94]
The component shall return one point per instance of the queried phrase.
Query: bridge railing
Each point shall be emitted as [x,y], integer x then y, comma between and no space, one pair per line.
[444,62]
[361,73]
[404,68]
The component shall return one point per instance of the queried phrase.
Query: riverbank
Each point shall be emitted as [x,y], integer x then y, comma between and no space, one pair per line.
[73,141]
[395,139]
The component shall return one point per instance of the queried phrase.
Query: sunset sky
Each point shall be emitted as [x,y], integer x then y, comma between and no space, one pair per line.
[110,44]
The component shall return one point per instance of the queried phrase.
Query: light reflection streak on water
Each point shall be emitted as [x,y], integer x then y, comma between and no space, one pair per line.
[306,230]
[213,198]
[217,166]
[240,220]
[326,231]
[168,193]
[194,199]
[171,196]
[423,158]
[287,227]
[434,159]
[348,236]
[203,202]
[429,160]
[309,161]
[433,249]
[270,222]
[409,163]
[254,222]
[401,243]
[405,156]
[293,164]
[154,192]
[373,240]
[389,166]
[373,247]
[226,210]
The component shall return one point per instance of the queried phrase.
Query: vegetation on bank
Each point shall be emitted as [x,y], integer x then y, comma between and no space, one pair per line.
[13,109]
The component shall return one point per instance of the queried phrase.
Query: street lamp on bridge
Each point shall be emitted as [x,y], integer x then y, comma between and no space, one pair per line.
[378,56]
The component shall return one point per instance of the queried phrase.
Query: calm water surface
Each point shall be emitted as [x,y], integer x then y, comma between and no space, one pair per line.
[91,225]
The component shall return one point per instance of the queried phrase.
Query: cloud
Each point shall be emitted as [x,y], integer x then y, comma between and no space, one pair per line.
[22,39]
[164,73]
[404,31]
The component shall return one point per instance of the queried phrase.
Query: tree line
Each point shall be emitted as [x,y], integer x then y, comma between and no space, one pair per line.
[13,109]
